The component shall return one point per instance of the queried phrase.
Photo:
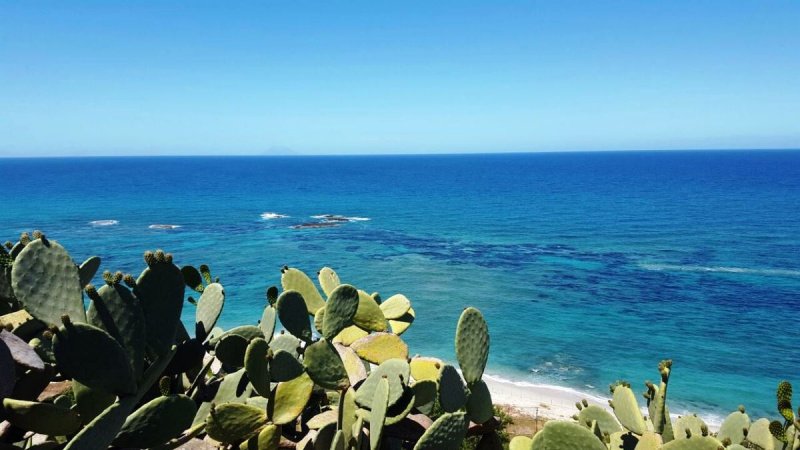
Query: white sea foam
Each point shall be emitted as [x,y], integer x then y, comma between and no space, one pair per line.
[720,269]
[162,226]
[339,218]
[272,215]
[104,223]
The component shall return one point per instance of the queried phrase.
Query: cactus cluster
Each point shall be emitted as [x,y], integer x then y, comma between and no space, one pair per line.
[126,372]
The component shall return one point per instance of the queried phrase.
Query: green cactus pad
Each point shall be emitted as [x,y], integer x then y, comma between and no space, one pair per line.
[472,344]
[268,438]
[379,347]
[322,419]
[46,282]
[605,420]
[356,367]
[284,366]
[397,372]
[235,387]
[380,404]
[395,306]
[231,350]
[369,316]
[692,423]
[257,366]
[627,410]
[192,278]
[695,443]
[446,433]
[347,413]
[566,436]
[287,343]
[209,308]
[452,393]
[479,403]
[324,365]
[350,335]
[425,393]
[290,399]
[339,311]
[248,332]
[22,353]
[295,280]
[90,402]
[234,422]
[105,367]
[267,322]
[732,427]
[43,418]
[293,314]
[88,269]
[156,422]
[401,407]
[160,289]
[425,368]
[402,324]
[328,279]
[117,312]
[520,443]
[319,320]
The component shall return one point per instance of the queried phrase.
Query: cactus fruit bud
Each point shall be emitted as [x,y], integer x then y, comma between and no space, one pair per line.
[47,335]
[9,245]
[161,256]
[149,258]
[585,402]
[66,320]
[726,442]
[164,386]
[108,277]
[117,277]
[37,234]
[741,409]
[168,258]
[575,417]
[129,280]
[24,238]
[688,433]
[704,429]
[91,292]
[578,405]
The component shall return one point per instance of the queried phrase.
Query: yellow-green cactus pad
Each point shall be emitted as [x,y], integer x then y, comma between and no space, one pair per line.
[402,324]
[339,311]
[296,280]
[350,335]
[379,347]
[369,316]
[424,368]
[209,308]
[691,423]
[557,435]
[397,373]
[46,281]
[356,367]
[43,418]
[287,343]
[694,443]
[605,420]
[234,422]
[290,399]
[472,344]
[520,443]
[395,306]
[328,279]
[322,419]
[257,366]
[319,319]
[268,438]
[377,416]
[733,427]
[267,322]
[627,410]
[446,433]
[324,366]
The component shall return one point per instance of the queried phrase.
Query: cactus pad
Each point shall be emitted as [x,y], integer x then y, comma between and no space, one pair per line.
[156,422]
[691,423]
[234,422]
[116,311]
[44,418]
[733,427]
[377,416]
[425,393]
[350,335]
[520,443]
[446,433]
[293,314]
[452,394]
[369,316]
[472,344]
[328,279]
[192,278]
[90,402]
[424,368]
[106,367]
[397,373]
[46,282]
[695,443]
[267,322]
[88,269]
[400,325]
[209,308]
[290,399]
[479,403]
[379,347]
[8,371]
[355,366]
[257,366]
[395,306]
[268,439]
[284,366]
[324,365]
[22,353]
[160,289]
[566,436]
[627,410]
[605,420]
[230,350]
[287,343]
[339,311]
[296,280]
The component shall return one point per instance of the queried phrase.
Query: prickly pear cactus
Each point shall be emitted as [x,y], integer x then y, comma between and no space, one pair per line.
[472,344]
[160,289]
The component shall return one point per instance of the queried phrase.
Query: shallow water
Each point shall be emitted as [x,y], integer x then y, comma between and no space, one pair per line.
[589,267]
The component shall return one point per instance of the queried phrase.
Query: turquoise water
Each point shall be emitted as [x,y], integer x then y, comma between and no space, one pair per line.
[589,267]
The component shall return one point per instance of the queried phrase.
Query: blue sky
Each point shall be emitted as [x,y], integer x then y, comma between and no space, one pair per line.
[139,78]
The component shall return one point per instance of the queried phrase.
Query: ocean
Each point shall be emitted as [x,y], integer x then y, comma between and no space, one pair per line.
[589,267]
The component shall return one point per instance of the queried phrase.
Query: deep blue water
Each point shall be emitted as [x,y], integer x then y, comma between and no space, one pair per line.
[589,267]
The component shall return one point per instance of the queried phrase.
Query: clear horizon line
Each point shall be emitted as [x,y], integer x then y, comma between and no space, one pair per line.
[301,155]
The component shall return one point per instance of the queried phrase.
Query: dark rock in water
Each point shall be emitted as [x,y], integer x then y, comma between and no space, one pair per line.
[304,226]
